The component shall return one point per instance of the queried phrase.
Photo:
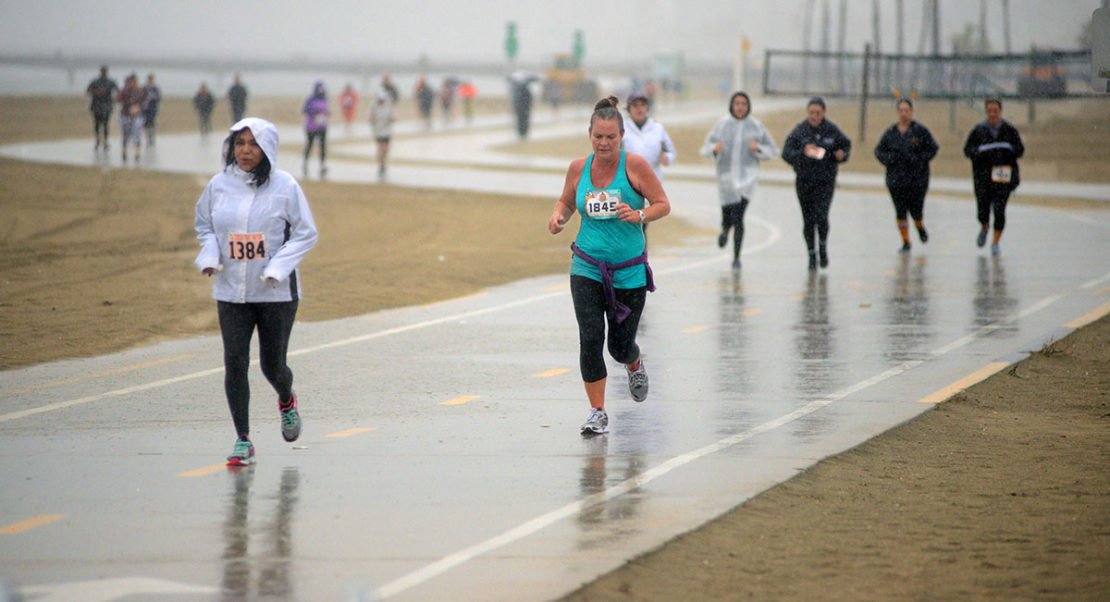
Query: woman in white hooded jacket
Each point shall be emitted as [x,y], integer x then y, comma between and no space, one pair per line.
[738,142]
[254,227]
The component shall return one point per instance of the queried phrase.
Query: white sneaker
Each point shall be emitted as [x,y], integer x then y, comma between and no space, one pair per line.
[638,382]
[596,424]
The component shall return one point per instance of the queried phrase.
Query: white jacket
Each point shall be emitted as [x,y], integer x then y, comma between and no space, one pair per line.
[650,142]
[737,164]
[251,233]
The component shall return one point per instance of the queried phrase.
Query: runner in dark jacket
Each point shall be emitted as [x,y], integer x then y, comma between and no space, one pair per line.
[994,146]
[905,150]
[816,148]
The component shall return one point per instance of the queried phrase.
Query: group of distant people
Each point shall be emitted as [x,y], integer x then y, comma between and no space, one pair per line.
[139,108]
[816,147]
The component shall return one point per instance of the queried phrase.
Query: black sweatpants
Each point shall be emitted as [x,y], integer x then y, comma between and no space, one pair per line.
[909,200]
[589,309]
[992,197]
[815,199]
[732,216]
[237,323]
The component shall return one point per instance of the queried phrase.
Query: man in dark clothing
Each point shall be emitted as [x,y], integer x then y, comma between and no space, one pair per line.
[237,98]
[101,91]
[994,146]
[816,148]
[522,107]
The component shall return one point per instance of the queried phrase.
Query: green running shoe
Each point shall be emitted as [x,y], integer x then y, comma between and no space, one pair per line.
[243,454]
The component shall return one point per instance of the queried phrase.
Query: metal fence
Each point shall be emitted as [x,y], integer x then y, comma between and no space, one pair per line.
[1049,74]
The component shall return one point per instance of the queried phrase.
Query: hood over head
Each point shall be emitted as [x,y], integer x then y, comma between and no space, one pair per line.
[265,133]
[318,89]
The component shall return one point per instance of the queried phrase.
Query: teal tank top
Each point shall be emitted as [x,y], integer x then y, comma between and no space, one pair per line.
[602,235]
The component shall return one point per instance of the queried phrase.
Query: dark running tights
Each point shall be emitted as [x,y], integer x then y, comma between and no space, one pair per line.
[237,323]
[100,124]
[322,135]
[589,309]
[815,199]
[992,198]
[732,216]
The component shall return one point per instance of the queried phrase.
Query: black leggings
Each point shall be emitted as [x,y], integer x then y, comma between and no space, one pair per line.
[732,216]
[589,309]
[908,199]
[100,123]
[815,199]
[323,136]
[237,323]
[990,197]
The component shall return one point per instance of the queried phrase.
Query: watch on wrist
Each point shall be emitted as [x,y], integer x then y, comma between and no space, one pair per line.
[643,218]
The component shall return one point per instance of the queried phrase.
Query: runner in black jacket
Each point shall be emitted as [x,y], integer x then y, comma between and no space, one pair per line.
[905,150]
[816,147]
[994,146]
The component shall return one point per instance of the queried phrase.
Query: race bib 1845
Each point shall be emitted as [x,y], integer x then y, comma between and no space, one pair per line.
[602,204]
[246,247]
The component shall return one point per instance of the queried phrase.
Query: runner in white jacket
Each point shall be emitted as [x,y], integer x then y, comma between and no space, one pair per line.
[738,142]
[646,137]
[254,227]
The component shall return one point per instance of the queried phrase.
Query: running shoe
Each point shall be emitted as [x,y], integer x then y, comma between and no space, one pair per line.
[813,261]
[638,382]
[722,239]
[243,454]
[596,424]
[824,257]
[906,246]
[290,420]
[981,239]
[994,249]
[923,235]
[736,264]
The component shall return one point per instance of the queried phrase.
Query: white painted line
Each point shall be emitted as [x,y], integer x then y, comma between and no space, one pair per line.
[451,561]
[1093,283]
[775,235]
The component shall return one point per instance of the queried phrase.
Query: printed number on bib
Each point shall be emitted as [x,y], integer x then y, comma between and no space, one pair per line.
[602,204]
[1002,174]
[246,247]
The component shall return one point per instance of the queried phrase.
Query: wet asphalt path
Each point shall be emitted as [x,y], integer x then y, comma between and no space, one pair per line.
[440,457]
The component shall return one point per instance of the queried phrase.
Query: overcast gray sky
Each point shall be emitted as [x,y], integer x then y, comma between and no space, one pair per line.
[401,29]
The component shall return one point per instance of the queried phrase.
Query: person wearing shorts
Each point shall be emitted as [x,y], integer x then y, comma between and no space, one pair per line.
[254,226]
[381,124]
[615,193]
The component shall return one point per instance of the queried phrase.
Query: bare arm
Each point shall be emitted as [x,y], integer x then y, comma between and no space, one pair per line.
[643,180]
[565,206]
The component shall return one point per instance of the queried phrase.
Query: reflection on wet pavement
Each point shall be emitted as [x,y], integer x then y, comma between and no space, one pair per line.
[909,330]
[274,559]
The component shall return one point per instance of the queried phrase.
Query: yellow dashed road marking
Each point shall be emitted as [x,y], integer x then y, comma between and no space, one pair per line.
[550,373]
[458,401]
[30,523]
[694,329]
[349,432]
[750,312]
[201,472]
[964,382]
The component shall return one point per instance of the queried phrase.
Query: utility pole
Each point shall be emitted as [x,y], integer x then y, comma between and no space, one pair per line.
[1006,24]
[807,34]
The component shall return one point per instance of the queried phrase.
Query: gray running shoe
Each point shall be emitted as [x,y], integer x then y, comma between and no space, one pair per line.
[638,382]
[597,423]
[994,249]
[290,420]
[981,238]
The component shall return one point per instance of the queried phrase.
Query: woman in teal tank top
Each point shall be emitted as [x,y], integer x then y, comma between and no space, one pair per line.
[615,193]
